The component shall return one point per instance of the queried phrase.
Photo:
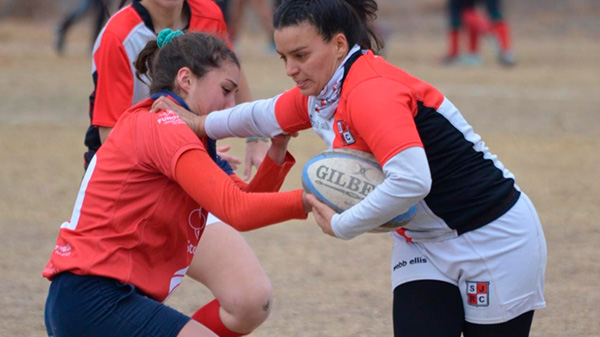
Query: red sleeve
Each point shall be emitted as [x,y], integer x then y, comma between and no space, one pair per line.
[383,115]
[210,187]
[269,177]
[291,111]
[242,185]
[114,84]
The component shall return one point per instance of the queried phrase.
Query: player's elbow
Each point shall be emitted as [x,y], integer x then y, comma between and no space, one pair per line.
[423,185]
[240,223]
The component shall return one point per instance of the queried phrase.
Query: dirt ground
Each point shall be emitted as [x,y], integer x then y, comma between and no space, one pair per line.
[541,118]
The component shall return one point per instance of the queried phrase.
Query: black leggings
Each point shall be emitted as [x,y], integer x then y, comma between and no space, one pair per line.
[435,309]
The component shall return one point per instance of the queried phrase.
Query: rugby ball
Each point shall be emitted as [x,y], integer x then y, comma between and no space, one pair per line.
[341,178]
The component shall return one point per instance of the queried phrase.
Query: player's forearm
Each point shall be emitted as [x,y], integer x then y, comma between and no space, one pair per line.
[270,174]
[253,119]
[211,188]
[407,182]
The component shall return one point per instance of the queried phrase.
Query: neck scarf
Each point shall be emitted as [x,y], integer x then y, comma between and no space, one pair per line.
[325,103]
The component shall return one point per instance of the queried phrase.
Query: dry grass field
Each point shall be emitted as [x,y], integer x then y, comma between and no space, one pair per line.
[542,118]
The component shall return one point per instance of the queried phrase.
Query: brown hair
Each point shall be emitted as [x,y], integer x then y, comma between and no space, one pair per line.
[198,51]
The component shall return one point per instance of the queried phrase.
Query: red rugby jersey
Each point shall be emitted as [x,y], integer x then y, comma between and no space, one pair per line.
[133,222]
[116,86]
[124,36]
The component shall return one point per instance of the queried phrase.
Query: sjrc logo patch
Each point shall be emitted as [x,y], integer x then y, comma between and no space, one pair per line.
[478,293]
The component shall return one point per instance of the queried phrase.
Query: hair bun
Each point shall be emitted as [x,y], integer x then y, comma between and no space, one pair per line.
[166,35]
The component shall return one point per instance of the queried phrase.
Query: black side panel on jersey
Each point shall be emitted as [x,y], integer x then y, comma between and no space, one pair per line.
[92,136]
[468,191]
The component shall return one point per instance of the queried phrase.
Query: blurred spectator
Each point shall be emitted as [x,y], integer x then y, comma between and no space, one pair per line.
[234,16]
[464,16]
[99,8]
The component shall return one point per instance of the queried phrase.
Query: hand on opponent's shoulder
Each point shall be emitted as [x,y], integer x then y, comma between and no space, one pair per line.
[195,122]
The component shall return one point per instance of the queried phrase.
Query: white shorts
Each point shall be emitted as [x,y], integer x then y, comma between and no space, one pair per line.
[499,268]
[211,219]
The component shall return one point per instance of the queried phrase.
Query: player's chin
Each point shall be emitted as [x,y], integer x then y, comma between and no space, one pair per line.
[307,89]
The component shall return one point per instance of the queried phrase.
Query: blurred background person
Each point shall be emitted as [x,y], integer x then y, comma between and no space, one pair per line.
[100,10]
[234,11]
[465,17]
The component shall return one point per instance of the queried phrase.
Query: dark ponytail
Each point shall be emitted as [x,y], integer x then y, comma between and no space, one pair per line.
[143,63]
[366,12]
[353,18]
[198,51]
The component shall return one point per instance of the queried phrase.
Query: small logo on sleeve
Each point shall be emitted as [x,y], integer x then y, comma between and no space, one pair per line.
[478,293]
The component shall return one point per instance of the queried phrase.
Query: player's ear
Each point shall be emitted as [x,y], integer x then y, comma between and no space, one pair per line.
[341,44]
[184,79]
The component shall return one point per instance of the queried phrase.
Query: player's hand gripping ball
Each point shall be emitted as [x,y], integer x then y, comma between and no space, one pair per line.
[341,178]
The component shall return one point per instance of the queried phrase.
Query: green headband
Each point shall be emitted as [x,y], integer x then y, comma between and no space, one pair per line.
[166,35]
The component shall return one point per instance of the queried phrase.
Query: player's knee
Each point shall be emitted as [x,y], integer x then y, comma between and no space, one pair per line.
[252,307]
[258,304]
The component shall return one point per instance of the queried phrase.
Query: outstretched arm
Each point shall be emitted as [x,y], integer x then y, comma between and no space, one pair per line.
[252,119]
[210,187]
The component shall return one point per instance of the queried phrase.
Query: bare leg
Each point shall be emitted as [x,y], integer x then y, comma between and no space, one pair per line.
[225,264]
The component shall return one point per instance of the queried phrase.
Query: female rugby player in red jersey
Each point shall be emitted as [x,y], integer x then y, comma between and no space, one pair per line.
[144,199]
[473,258]
[242,288]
